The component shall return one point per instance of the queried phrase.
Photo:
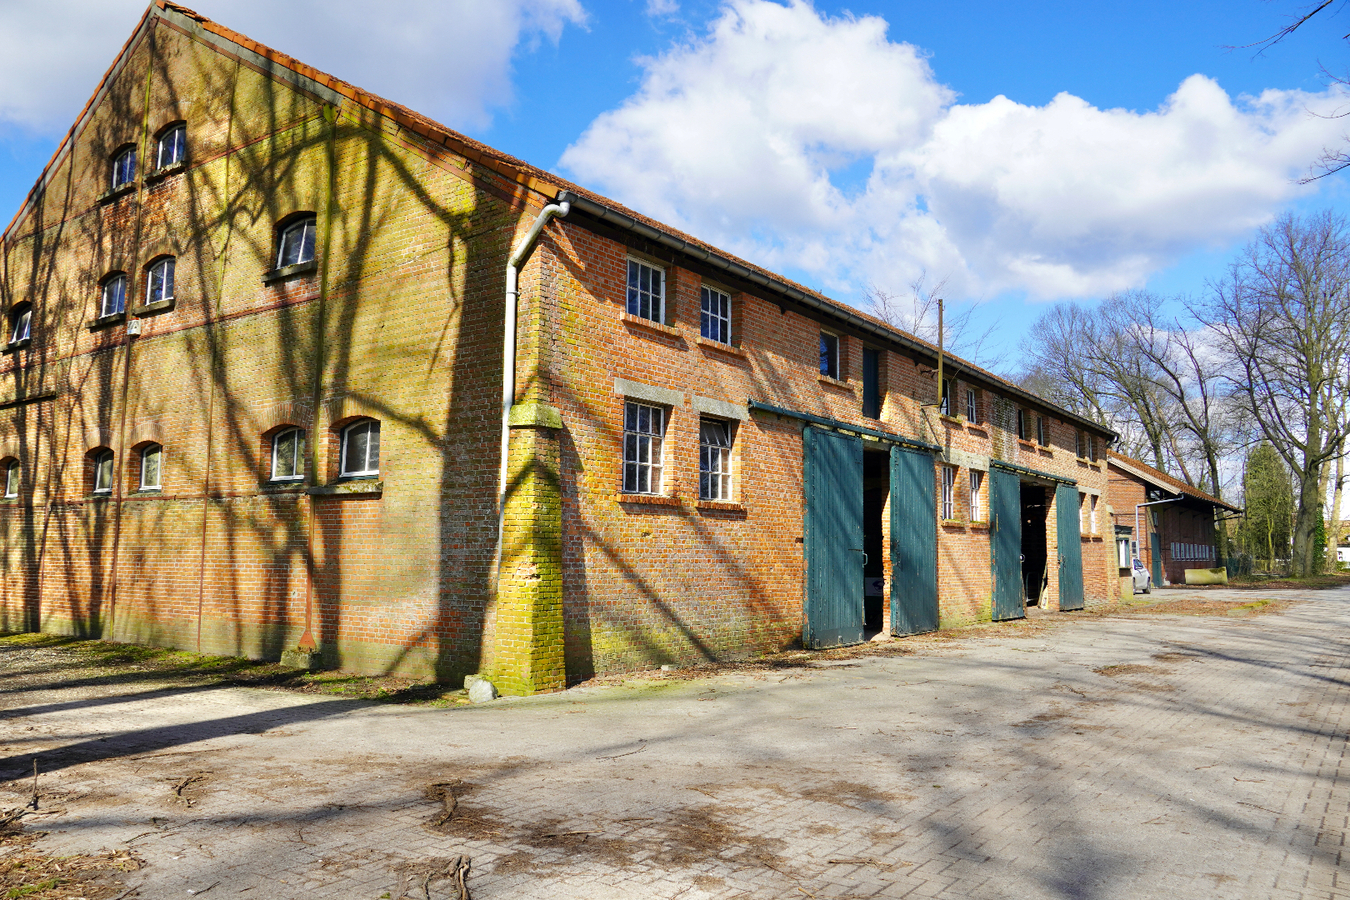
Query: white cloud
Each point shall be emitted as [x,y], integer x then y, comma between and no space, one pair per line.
[815,143]
[661,8]
[450,59]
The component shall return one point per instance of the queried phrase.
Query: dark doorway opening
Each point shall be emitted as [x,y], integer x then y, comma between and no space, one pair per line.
[876,490]
[1035,505]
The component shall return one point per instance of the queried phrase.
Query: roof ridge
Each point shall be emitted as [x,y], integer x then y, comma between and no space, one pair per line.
[532,177]
[1169,480]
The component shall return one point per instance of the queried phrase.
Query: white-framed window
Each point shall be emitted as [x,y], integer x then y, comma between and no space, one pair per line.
[949,492]
[976,495]
[972,408]
[1092,513]
[288,455]
[360,449]
[152,467]
[103,471]
[114,299]
[945,404]
[21,323]
[715,318]
[124,167]
[646,291]
[829,354]
[714,459]
[159,281]
[1092,447]
[172,147]
[643,438]
[1082,513]
[1040,431]
[13,474]
[295,243]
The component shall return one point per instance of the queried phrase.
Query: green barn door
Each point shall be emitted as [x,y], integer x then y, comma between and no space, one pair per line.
[1005,540]
[1070,548]
[914,593]
[834,539]
[1156,543]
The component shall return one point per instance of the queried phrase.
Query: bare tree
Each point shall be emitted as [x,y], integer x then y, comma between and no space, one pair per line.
[1282,316]
[917,314]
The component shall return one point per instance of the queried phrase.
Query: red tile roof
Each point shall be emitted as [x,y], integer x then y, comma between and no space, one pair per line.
[1161,479]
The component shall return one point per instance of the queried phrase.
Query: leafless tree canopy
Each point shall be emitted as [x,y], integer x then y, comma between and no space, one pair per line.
[1282,318]
[917,313]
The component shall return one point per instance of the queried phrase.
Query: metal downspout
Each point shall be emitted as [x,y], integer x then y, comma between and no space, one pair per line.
[518,255]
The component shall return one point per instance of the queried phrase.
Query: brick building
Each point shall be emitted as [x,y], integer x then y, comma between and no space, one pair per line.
[270,336]
[1171,524]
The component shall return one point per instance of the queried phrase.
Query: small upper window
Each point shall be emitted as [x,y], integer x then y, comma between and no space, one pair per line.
[159,282]
[829,355]
[103,471]
[361,449]
[114,296]
[21,323]
[295,244]
[972,411]
[124,167]
[288,455]
[1092,447]
[172,146]
[646,291]
[12,476]
[945,407]
[871,360]
[1040,431]
[152,469]
[1022,423]
[716,321]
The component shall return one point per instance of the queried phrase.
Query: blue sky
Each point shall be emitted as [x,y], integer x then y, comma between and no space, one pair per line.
[843,144]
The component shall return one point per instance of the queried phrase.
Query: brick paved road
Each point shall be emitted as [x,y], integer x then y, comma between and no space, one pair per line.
[1209,762]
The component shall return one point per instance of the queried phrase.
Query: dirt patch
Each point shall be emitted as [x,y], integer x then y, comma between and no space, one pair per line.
[1128,669]
[1046,718]
[448,874]
[694,834]
[34,876]
[1172,656]
[851,794]
[460,818]
[190,789]
[592,842]
[1198,606]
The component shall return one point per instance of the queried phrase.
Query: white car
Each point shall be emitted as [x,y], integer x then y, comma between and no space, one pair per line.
[1143,581]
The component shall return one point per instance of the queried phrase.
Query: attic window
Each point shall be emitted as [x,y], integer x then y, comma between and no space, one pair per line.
[124,168]
[20,323]
[172,146]
[295,243]
[114,299]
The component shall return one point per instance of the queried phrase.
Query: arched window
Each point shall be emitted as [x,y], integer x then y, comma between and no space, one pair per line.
[20,323]
[101,463]
[114,299]
[288,455]
[295,241]
[159,281]
[360,449]
[12,474]
[172,146]
[152,467]
[124,167]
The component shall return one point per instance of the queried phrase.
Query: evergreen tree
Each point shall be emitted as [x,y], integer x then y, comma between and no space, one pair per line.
[1268,495]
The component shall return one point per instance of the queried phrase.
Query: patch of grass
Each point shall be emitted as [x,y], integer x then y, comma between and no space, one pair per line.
[124,663]
[1311,582]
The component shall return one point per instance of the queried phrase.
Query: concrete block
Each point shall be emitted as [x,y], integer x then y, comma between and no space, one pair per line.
[308,660]
[480,689]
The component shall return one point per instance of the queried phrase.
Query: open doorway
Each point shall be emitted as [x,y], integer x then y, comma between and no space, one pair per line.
[876,491]
[1035,506]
